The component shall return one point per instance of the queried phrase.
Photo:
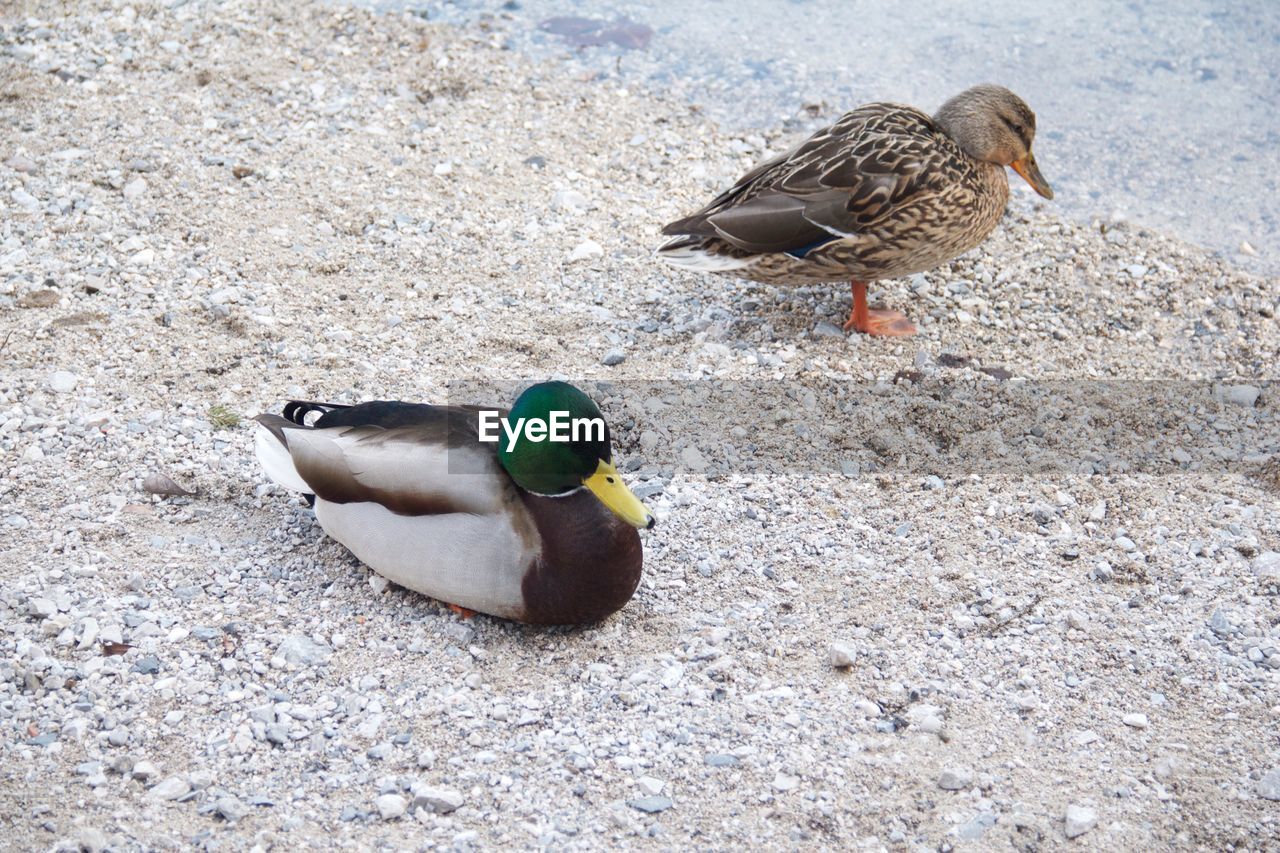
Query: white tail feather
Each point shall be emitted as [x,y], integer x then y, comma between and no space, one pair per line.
[693,258]
[277,462]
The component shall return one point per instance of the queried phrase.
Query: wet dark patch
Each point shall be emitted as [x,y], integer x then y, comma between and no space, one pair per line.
[956,361]
[999,373]
[595,32]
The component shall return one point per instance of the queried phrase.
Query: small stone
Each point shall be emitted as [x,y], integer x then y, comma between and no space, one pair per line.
[826,329]
[1136,270]
[148,665]
[93,840]
[783,782]
[1135,720]
[933,482]
[1124,543]
[170,789]
[586,249]
[613,357]
[145,771]
[850,468]
[21,163]
[651,805]
[1243,395]
[63,381]
[976,828]
[650,785]
[303,650]
[41,608]
[955,779]
[277,733]
[378,583]
[436,800]
[1267,565]
[442,169]
[1220,624]
[380,752]
[693,459]
[135,188]
[570,200]
[1269,785]
[721,760]
[230,808]
[840,656]
[1079,820]
[26,200]
[391,806]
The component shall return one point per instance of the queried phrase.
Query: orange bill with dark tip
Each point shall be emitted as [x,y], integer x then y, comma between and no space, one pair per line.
[1030,172]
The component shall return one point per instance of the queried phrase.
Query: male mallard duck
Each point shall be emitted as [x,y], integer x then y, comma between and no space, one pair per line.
[526,528]
[886,191]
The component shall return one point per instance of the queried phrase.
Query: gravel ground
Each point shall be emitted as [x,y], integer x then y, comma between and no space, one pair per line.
[958,589]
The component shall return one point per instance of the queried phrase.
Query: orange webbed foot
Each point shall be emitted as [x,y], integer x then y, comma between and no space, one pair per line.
[875,321]
[881,322]
[464,612]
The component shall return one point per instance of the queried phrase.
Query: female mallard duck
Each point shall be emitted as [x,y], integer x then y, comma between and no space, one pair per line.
[525,527]
[886,191]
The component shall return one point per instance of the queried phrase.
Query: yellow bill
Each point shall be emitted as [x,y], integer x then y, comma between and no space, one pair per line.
[606,484]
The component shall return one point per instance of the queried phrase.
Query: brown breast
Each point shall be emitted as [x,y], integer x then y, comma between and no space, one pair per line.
[589,565]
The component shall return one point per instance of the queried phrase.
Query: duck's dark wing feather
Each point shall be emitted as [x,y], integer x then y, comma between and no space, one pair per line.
[841,181]
[413,459]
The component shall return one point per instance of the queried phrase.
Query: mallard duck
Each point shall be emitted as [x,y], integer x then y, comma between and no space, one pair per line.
[886,191]
[525,527]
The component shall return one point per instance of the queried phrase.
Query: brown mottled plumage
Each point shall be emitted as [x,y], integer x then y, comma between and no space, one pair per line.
[886,191]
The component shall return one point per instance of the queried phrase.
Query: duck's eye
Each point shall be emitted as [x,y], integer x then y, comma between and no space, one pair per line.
[609,480]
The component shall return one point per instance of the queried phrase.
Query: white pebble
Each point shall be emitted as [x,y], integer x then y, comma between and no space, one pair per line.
[955,779]
[391,806]
[840,656]
[63,381]
[651,785]
[586,249]
[1079,820]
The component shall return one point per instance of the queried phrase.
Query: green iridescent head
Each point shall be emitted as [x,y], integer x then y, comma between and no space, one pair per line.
[561,444]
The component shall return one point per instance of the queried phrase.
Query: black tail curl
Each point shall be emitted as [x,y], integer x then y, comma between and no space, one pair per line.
[296,411]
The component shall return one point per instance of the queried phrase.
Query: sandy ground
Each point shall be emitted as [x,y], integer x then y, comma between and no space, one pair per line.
[1057,589]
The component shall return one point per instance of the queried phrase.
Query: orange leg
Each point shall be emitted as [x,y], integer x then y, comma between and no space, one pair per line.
[875,321]
[464,612]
